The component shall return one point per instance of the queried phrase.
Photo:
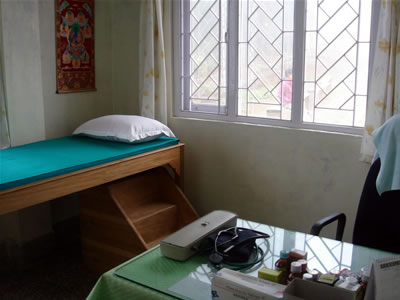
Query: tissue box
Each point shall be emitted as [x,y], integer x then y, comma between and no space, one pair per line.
[230,285]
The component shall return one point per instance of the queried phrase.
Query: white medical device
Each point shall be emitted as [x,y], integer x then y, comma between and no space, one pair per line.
[184,243]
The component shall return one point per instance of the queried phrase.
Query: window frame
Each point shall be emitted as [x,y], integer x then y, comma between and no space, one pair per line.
[232,91]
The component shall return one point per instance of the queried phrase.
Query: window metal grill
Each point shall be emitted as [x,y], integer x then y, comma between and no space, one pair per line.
[205,55]
[297,63]
[336,64]
[265,55]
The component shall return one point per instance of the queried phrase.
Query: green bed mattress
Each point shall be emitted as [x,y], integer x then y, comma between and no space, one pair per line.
[41,160]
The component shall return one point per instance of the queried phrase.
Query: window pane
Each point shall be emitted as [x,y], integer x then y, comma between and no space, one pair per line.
[265,58]
[263,42]
[204,55]
[336,61]
[361,110]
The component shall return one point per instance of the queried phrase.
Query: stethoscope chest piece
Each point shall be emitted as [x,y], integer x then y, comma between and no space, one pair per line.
[215,258]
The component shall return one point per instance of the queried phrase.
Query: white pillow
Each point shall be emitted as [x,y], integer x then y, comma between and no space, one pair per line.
[124,128]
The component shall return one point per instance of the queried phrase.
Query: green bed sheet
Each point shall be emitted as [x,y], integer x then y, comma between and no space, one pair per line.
[45,159]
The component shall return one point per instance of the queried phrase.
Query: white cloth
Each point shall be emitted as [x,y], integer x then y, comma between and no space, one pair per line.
[384,82]
[387,143]
[4,132]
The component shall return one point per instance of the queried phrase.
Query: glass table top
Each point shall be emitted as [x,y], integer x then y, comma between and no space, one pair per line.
[192,279]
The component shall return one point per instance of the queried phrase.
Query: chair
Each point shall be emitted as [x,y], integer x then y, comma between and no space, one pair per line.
[377,223]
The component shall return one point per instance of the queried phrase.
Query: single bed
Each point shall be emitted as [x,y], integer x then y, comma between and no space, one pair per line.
[45,170]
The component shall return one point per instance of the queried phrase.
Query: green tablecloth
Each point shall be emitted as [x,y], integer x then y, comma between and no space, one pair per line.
[109,286]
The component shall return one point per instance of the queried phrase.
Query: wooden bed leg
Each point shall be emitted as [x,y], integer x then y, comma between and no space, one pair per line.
[177,166]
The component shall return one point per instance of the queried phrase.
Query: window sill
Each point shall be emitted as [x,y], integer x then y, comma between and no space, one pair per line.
[271,123]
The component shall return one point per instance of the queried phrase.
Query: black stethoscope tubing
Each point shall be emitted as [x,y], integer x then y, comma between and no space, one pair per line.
[216,245]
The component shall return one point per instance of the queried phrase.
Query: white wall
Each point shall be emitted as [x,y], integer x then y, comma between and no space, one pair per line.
[35,111]
[125,16]
[278,176]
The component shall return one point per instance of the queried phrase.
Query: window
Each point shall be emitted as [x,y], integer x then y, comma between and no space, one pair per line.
[299,63]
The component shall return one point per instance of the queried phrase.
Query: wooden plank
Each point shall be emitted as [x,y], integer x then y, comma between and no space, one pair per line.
[153,204]
[34,193]
[95,252]
[145,186]
[174,194]
[158,225]
[131,215]
[118,234]
[149,210]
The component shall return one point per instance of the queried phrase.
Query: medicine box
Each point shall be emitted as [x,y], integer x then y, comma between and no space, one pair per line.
[300,289]
[269,274]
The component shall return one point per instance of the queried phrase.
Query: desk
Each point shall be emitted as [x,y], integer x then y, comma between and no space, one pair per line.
[152,276]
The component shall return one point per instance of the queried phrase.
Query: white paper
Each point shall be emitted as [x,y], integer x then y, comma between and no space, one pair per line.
[384,282]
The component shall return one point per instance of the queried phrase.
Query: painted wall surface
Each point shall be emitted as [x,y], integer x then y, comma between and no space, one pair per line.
[22,57]
[283,177]
[35,111]
[125,15]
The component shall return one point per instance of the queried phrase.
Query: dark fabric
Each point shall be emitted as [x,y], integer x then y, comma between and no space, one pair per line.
[377,223]
[244,244]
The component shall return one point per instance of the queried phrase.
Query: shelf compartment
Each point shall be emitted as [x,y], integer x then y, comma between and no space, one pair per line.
[119,220]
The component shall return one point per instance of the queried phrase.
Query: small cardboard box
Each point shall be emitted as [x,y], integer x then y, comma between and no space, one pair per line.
[300,289]
[270,274]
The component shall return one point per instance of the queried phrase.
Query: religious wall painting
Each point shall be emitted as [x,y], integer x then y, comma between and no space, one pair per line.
[75,46]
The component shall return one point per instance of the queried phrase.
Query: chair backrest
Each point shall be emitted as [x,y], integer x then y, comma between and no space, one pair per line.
[377,222]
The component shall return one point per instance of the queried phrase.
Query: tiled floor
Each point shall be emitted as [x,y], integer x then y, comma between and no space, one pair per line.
[61,275]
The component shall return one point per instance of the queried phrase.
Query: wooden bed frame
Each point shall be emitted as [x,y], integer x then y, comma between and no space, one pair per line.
[34,193]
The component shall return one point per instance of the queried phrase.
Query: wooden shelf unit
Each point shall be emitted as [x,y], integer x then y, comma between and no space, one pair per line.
[119,220]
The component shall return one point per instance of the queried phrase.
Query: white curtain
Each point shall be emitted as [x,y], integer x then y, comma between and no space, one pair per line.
[4,133]
[153,79]
[384,83]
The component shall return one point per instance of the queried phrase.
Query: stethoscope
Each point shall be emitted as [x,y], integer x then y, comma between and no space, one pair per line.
[218,257]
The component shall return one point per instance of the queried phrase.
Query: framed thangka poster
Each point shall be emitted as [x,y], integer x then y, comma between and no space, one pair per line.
[75,46]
